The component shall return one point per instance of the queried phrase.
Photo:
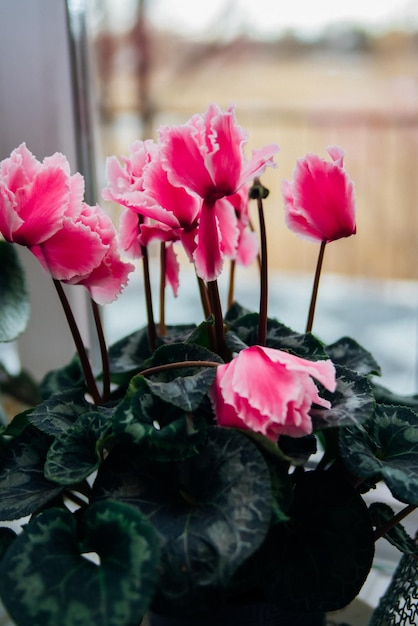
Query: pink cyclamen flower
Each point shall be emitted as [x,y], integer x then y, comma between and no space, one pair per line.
[168,213]
[319,203]
[42,208]
[270,391]
[206,156]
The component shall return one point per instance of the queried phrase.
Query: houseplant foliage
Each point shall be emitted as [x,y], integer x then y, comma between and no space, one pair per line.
[205,463]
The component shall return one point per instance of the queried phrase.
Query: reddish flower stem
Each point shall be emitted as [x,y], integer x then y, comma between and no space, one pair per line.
[163,269]
[204,297]
[262,318]
[315,287]
[104,355]
[385,528]
[79,344]
[152,334]
[231,288]
[173,366]
[216,307]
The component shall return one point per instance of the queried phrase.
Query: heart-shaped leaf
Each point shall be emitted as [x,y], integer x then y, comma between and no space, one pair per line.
[385,448]
[212,511]
[164,432]
[351,403]
[45,580]
[64,378]
[348,353]
[279,336]
[76,453]
[59,412]
[14,295]
[130,354]
[185,392]
[23,487]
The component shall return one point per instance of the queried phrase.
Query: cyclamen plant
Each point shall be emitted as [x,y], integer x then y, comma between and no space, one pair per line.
[204,464]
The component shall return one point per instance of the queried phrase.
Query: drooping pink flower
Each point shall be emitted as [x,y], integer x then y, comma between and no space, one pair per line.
[42,208]
[319,203]
[270,391]
[206,156]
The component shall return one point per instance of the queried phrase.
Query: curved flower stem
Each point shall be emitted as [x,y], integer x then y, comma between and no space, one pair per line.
[216,307]
[231,288]
[258,192]
[163,269]
[314,295]
[382,530]
[104,355]
[152,334]
[173,366]
[81,349]
[204,298]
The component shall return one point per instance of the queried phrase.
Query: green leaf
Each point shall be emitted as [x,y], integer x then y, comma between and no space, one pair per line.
[14,296]
[385,448]
[76,452]
[65,378]
[180,352]
[45,580]
[130,353]
[385,396]
[397,536]
[23,487]
[56,414]
[164,432]
[320,559]
[235,312]
[184,387]
[279,337]
[348,353]
[351,403]
[185,392]
[212,511]
[17,425]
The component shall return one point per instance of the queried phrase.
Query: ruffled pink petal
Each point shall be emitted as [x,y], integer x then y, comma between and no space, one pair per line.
[228,227]
[10,221]
[73,251]
[42,206]
[247,249]
[322,371]
[172,269]
[183,160]
[128,234]
[106,282]
[225,161]
[207,255]
[260,159]
[183,207]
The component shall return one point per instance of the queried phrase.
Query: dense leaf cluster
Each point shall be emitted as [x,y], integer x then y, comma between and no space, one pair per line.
[144,501]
